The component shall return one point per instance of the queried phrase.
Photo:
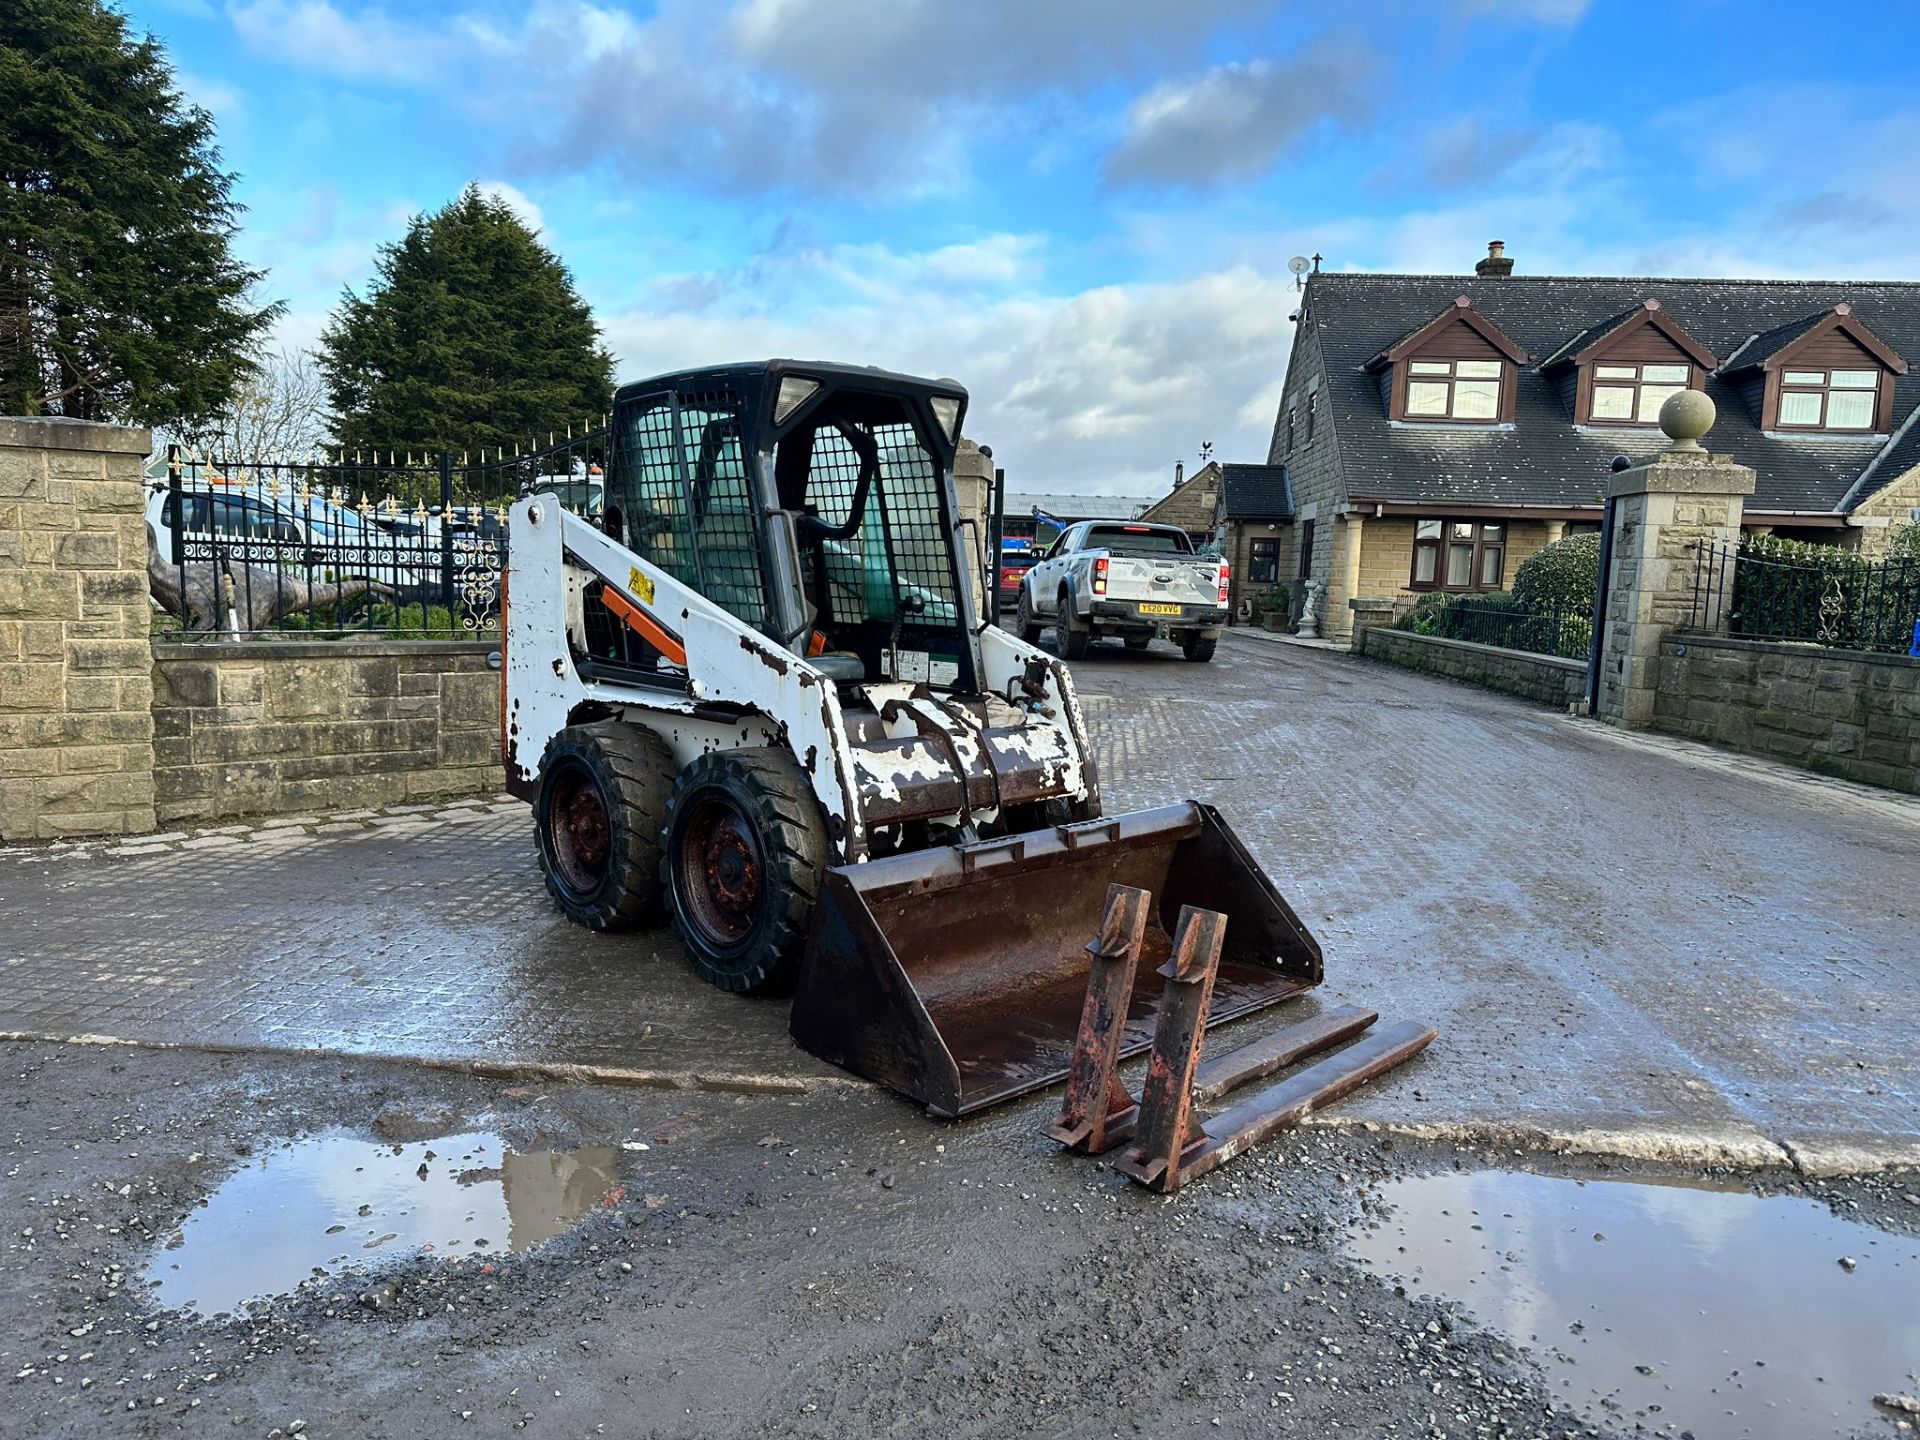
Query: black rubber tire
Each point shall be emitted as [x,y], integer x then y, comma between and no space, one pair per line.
[1139,642]
[597,817]
[1199,647]
[751,809]
[1074,637]
[1024,623]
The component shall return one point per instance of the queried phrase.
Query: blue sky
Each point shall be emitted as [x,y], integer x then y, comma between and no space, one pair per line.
[1082,209]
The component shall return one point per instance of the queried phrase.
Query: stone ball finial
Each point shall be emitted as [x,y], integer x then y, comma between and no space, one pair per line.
[1686,416]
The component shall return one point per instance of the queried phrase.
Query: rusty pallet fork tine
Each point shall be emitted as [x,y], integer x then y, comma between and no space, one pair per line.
[1282,1048]
[1166,1098]
[1288,1103]
[1095,1097]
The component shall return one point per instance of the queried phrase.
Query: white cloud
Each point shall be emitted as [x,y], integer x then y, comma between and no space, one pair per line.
[1099,391]
[1234,121]
[314,35]
[807,95]
[516,200]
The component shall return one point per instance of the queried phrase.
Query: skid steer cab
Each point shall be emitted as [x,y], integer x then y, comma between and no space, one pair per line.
[755,698]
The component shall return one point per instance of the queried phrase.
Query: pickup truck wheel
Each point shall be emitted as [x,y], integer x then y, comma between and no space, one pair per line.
[1139,642]
[602,799]
[1024,624]
[1198,647]
[1075,634]
[745,846]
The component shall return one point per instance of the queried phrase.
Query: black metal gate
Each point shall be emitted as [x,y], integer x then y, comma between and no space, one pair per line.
[404,545]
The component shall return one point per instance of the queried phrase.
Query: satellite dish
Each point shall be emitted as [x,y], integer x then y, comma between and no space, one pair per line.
[1298,265]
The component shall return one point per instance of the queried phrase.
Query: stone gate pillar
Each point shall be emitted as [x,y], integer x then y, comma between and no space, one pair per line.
[76,665]
[1662,507]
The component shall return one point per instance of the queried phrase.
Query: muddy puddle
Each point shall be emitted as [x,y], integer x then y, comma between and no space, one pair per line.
[1666,1306]
[333,1201]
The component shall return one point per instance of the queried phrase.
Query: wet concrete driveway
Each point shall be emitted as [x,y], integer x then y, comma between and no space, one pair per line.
[1622,943]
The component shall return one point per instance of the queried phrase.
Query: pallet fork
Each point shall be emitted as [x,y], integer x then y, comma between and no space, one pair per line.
[1164,1144]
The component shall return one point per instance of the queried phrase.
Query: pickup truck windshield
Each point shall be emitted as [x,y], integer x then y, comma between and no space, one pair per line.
[1139,540]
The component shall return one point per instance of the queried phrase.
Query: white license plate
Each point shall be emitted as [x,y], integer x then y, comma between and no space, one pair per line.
[1159,609]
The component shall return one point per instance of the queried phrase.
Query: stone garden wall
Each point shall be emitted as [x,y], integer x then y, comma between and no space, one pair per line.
[269,727]
[1841,712]
[1545,678]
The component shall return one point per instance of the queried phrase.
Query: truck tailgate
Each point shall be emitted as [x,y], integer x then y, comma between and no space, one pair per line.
[1173,579]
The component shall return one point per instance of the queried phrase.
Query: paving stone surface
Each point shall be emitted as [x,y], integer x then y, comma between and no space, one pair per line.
[1612,932]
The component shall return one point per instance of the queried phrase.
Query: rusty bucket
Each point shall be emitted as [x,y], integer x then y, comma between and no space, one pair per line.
[957,975]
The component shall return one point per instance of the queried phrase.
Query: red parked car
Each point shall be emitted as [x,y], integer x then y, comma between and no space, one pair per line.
[1013,569]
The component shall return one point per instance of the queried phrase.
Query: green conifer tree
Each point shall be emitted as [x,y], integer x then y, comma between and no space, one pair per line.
[120,298]
[471,334]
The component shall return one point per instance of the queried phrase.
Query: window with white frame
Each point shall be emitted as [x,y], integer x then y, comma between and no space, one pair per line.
[1633,394]
[1454,389]
[1828,399]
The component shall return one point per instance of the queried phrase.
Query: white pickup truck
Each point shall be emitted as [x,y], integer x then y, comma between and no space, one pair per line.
[1117,577]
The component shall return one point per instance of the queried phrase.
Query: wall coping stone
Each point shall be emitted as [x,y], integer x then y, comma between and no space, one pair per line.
[1474,647]
[1372,604]
[1684,639]
[54,432]
[316,649]
[1684,472]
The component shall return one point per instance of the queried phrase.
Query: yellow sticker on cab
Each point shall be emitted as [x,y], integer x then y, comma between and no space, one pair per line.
[640,585]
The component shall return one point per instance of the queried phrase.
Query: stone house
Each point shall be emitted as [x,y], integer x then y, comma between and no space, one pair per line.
[1436,430]
[1257,514]
[1193,504]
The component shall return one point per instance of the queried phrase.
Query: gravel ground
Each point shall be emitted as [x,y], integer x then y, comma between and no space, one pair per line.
[826,1265]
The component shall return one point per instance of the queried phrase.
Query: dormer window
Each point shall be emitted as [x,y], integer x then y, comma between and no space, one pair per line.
[1453,389]
[1825,373]
[1828,399]
[1633,394]
[1457,369]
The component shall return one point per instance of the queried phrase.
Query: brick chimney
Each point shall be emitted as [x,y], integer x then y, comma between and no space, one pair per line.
[1498,263]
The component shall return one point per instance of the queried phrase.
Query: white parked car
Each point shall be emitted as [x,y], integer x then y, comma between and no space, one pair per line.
[1121,577]
[312,538]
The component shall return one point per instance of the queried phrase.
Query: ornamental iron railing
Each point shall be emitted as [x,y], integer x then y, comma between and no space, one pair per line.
[401,546]
[1771,591]
[1566,633]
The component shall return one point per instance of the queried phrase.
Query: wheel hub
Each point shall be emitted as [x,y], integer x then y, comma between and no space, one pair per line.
[725,872]
[582,832]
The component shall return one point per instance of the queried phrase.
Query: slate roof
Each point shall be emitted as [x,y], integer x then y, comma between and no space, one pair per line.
[1256,492]
[1543,458]
[1575,343]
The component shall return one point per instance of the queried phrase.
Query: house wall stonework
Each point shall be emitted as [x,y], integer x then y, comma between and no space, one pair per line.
[76,735]
[1885,512]
[1193,505]
[1841,712]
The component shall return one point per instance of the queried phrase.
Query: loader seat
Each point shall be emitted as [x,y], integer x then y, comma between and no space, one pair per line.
[842,667]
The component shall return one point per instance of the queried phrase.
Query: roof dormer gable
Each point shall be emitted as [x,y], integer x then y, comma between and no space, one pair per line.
[1458,368]
[1622,370]
[1826,373]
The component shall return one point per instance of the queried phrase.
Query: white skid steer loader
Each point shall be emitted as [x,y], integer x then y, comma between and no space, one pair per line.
[755,698]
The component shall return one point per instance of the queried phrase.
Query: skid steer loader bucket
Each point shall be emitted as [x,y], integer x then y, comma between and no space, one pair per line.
[957,975]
